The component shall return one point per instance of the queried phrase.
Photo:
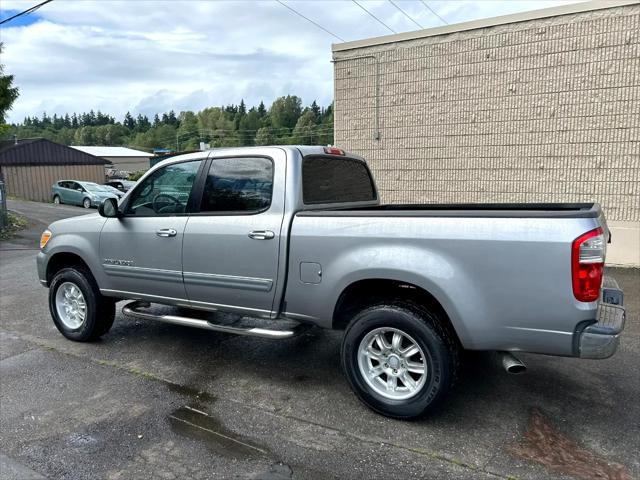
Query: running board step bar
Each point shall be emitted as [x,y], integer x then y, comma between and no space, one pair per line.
[133,310]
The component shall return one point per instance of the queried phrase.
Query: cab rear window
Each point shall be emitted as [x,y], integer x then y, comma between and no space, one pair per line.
[335,180]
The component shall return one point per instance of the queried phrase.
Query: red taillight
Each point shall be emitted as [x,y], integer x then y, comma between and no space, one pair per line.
[587,265]
[333,151]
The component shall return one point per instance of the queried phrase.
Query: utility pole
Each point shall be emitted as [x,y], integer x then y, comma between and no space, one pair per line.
[177,143]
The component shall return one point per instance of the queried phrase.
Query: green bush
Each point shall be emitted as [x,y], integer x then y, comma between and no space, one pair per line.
[14,224]
[135,176]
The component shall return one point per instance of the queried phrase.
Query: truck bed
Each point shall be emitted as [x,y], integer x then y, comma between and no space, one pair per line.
[494,210]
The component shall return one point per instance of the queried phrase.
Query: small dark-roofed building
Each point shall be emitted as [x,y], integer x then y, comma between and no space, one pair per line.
[31,166]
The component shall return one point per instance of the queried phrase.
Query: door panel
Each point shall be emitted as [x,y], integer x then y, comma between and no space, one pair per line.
[141,252]
[222,265]
[136,259]
[66,193]
[75,195]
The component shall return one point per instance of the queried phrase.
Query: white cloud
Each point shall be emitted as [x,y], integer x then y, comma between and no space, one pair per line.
[153,56]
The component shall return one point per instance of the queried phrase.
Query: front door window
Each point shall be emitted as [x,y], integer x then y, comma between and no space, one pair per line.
[165,192]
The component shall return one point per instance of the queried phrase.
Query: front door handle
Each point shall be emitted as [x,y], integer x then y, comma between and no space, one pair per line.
[166,232]
[262,234]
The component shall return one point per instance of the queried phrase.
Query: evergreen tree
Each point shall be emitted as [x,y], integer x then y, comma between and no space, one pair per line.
[142,123]
[129,122]
[316,111]
[262,111]
[8,93]
[172,119]
[231,125]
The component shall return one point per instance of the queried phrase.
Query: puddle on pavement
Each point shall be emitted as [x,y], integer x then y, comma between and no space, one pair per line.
[198,425]
[83,442]
[545,445]
[191,392]
[276,471]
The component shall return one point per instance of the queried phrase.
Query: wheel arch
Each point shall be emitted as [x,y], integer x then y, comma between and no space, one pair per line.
[370,291]
[62,260]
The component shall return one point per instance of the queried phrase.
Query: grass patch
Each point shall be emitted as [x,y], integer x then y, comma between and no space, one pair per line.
[15,223]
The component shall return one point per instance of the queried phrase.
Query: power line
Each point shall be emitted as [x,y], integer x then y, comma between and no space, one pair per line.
[311,21]
[26,12]
[379,21]
[405,13]
[434,12]
[275,131]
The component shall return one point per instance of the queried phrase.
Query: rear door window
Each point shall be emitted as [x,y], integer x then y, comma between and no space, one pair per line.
[336,180]
[238,185]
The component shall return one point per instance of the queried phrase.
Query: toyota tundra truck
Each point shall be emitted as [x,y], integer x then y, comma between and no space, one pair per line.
[295,236]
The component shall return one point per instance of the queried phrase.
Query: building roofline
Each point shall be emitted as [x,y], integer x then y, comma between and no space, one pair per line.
[485,22]
[10,149]
[130,152]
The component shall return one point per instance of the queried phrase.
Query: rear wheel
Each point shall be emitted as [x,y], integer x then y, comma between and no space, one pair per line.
[86,203]
[78,309]
[399,359]
[57,200]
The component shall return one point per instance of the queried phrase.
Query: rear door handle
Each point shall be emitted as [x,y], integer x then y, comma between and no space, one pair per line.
[166,232]
[262,234]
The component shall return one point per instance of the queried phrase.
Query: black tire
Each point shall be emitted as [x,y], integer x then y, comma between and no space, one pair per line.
[100,310]
[57,197]
[440,349]
[86,202]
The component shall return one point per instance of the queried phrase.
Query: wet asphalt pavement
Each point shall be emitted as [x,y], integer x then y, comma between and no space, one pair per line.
[159,401]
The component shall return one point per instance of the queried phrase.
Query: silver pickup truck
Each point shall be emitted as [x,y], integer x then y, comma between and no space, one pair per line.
[290,237]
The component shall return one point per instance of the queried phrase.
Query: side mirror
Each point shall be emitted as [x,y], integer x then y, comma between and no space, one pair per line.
[109,208]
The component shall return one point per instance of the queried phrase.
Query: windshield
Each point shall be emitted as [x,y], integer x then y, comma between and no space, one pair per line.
[94,187]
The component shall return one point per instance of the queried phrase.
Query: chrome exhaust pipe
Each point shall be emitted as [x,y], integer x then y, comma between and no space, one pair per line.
[511,363]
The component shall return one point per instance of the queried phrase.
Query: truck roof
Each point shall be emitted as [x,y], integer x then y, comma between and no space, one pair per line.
[304,150]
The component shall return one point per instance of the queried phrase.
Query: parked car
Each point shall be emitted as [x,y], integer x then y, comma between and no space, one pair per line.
[122,185]
[74,192]
[297,235]
[115,191]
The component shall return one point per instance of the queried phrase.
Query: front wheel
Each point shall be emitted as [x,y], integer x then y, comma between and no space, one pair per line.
[86,203]
[78,309]
[56,200]
[399,359]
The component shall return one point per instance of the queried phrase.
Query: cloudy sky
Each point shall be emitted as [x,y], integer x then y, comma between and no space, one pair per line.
[153,56]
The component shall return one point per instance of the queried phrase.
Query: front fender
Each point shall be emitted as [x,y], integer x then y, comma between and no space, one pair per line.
[78,236]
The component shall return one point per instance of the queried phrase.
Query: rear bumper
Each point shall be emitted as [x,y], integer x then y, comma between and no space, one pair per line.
[600,339]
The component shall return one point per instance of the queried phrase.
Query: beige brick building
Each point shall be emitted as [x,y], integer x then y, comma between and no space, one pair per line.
[536,107]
